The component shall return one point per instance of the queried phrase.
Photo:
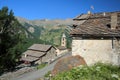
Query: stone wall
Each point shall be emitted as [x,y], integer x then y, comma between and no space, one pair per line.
[116,52]
[95,50]
[51,54]
[59,52]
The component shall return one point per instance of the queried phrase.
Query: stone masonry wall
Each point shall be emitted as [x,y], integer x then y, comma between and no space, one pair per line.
[51,54]
[95,50]
[116,52]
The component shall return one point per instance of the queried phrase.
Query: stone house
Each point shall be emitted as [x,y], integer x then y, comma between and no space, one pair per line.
[96,37]
[39,53]
[61,49]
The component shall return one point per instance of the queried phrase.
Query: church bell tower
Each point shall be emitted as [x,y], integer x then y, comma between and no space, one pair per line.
[63,40]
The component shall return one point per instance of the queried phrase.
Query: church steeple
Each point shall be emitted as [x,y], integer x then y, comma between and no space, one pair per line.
[63,40]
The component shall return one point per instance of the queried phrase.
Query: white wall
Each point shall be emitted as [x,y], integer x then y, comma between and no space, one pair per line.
[59,52]
[93,50]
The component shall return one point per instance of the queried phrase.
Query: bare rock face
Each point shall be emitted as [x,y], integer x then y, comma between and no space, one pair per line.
[31,29]
[67,63]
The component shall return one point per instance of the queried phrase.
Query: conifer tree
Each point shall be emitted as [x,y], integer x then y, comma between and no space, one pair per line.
[11,36]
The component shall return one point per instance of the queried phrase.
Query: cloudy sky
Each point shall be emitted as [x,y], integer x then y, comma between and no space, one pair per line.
[58,9]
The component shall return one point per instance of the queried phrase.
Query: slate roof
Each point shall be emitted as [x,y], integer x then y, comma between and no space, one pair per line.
[34,53]
[63,35]
[29,58]
[62,48]
[40,47]
[95,25]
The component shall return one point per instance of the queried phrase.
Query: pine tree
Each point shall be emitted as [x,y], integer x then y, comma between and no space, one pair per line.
[11,36]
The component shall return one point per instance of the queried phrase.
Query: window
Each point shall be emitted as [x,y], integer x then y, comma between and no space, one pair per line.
[63,42]
[108,26]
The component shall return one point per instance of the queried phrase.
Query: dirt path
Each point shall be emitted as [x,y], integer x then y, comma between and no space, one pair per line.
[39,73]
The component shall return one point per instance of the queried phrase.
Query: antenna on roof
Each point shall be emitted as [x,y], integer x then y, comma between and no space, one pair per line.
[92,7]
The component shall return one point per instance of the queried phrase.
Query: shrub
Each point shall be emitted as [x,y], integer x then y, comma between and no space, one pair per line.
[41,66]
[98,71]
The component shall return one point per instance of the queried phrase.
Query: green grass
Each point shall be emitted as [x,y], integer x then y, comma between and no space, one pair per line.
[40,66]
[48,74]
[98,71]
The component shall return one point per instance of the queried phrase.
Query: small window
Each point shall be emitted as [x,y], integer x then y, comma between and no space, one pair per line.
[108,26]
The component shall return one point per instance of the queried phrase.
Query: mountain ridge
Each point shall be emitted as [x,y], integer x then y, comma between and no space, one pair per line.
[47,30]
[45,21]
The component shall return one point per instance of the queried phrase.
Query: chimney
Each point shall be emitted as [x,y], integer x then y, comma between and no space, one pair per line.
[113,20]
[89,13]
[104,14]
